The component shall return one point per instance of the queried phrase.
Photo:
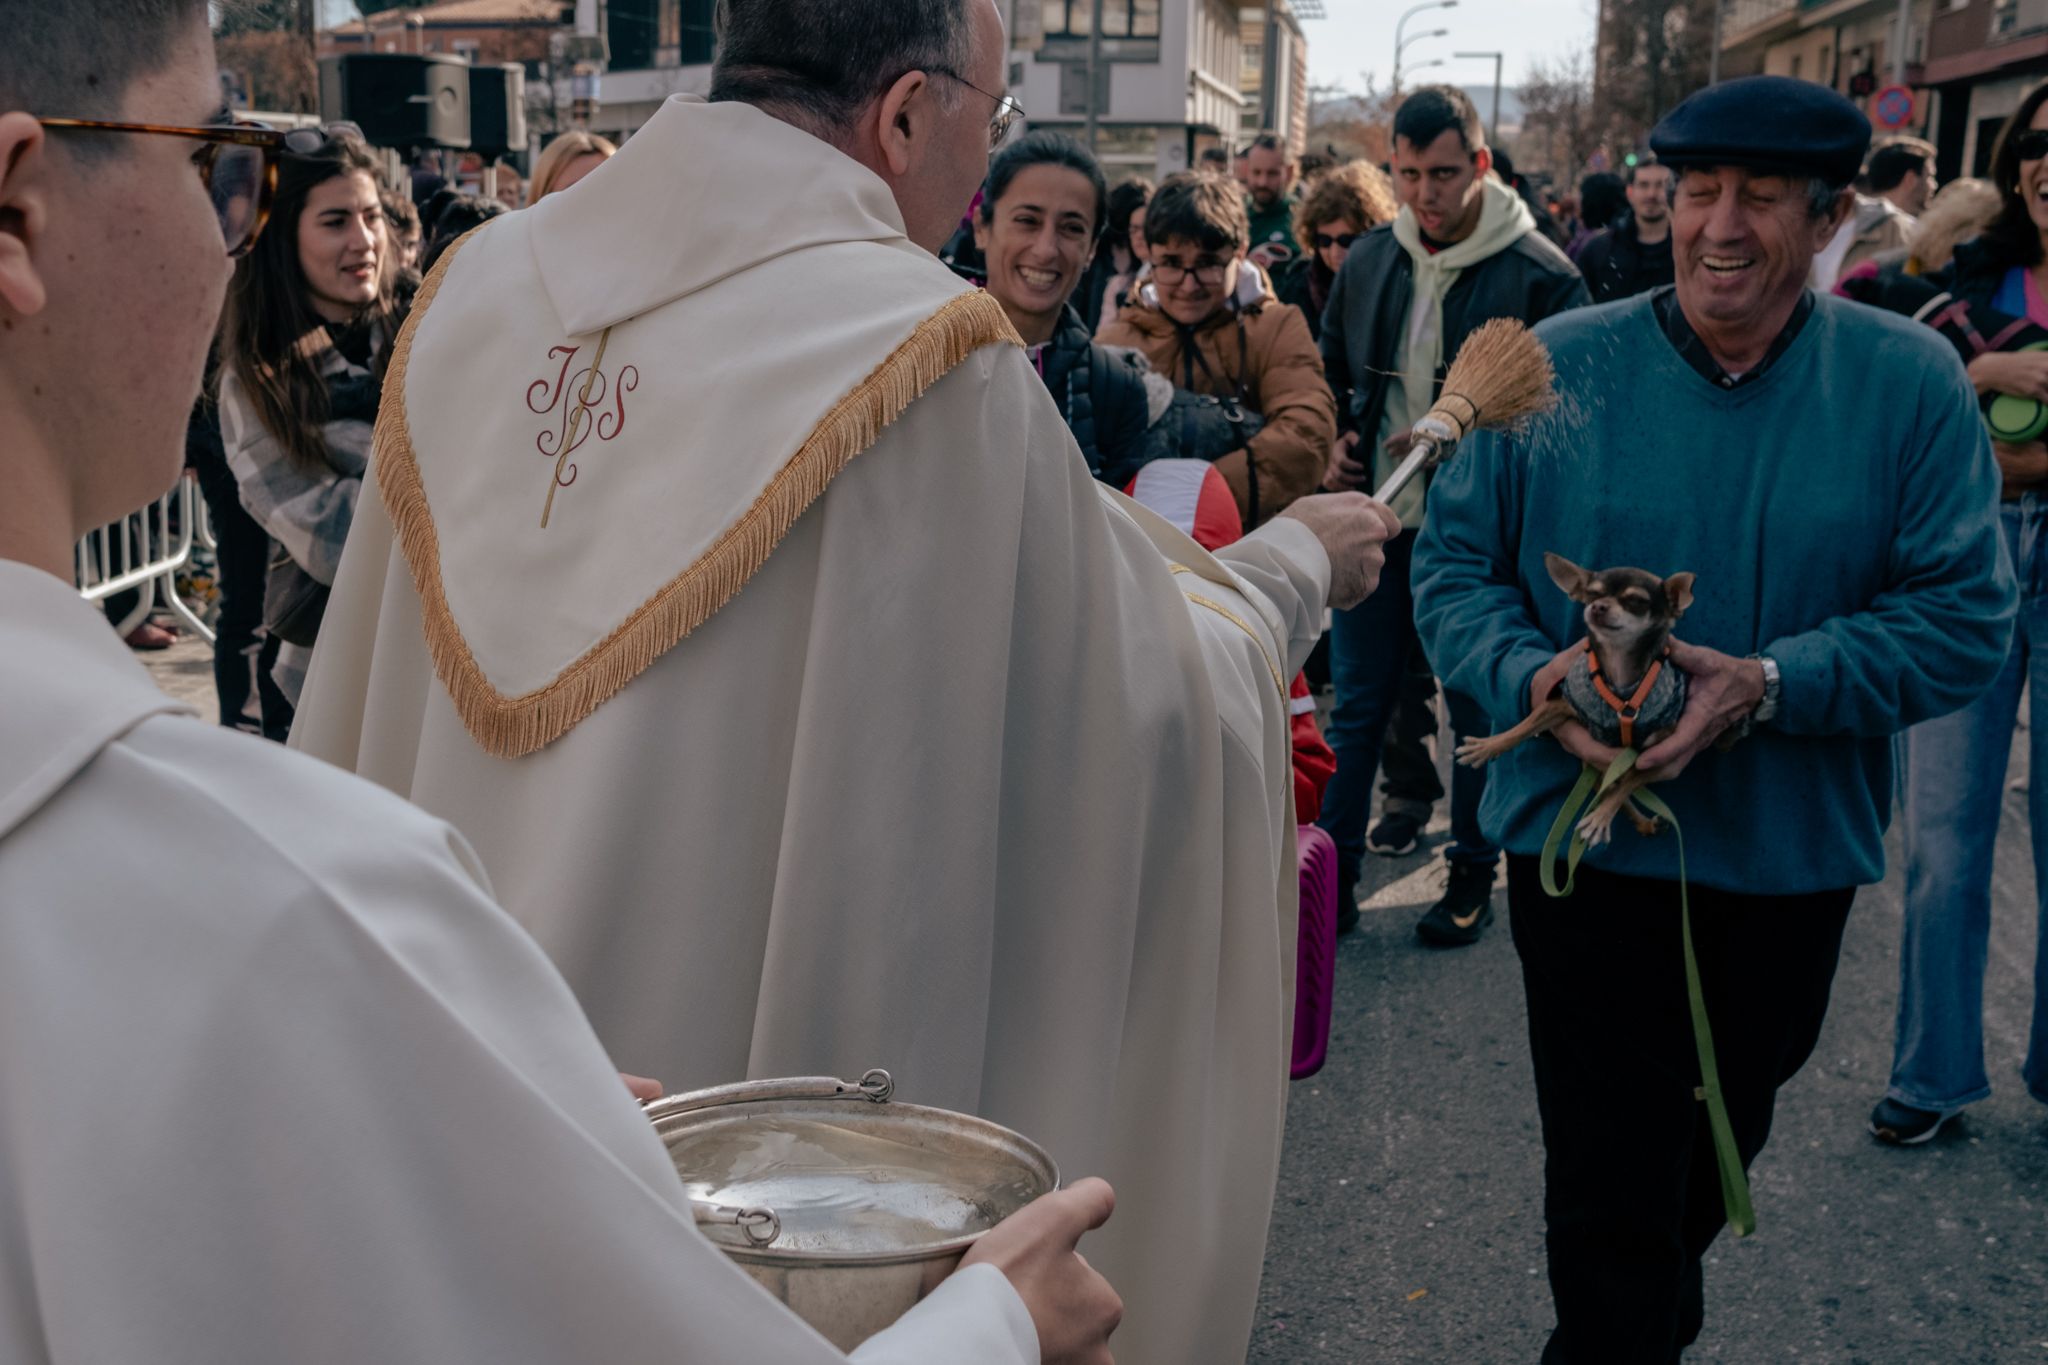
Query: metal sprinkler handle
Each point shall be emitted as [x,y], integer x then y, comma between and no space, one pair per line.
[1436,440]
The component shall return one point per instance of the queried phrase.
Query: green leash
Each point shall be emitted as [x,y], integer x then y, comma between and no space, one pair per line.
[1591,786]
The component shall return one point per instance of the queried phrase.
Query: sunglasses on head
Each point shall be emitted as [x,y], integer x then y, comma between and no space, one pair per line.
[1324,241]
[2032,145]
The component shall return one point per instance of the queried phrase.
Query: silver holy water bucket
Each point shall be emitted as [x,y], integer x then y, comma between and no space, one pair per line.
[846,1207]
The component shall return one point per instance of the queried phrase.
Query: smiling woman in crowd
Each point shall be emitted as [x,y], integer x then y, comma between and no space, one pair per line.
[308,316]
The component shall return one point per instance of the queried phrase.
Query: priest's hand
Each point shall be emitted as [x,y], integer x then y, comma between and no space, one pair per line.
[1354,530]
[641,1088]
[1073,1307]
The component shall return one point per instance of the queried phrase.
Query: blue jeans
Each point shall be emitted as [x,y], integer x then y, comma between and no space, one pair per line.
[1370,646]
[1954,790]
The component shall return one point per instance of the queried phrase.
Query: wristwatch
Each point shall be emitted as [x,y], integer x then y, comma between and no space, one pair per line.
[1768,707]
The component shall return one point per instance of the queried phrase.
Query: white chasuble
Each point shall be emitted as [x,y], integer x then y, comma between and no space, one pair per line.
[280,1083]
[836,718]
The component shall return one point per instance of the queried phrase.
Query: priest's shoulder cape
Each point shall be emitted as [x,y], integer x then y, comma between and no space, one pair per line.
[728,577]
[280,1082]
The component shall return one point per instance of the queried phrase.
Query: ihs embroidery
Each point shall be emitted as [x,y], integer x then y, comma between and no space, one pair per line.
[593,389]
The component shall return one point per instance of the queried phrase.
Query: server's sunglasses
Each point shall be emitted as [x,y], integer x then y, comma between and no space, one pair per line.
[238,163]
[1324,241]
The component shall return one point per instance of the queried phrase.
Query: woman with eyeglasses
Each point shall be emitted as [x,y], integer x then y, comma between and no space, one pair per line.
[1955,767]
[1209,322]
[308,317]
[1343,205]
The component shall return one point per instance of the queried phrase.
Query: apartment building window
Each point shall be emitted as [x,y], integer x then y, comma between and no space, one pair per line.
[1120,18]
[698,39]
[466,48]
[2005,16]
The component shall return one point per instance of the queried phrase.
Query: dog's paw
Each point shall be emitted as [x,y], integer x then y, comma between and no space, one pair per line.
[1477,753]
[1646,824]
[1597,827]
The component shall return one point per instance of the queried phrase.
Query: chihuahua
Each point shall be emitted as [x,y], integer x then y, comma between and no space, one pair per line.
[1621,688]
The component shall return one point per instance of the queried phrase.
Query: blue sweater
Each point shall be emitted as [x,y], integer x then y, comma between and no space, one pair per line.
[1841,513]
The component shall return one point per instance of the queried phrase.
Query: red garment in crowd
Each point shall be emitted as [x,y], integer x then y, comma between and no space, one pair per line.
[1193,496]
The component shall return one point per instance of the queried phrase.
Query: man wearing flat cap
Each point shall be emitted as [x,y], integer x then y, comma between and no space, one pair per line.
[1849,583]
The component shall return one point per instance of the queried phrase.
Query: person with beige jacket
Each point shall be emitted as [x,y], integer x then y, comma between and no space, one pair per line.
[1210,322]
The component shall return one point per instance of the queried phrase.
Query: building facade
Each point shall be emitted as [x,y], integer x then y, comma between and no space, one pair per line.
[1273,37]
[1169,77]
[1983,56]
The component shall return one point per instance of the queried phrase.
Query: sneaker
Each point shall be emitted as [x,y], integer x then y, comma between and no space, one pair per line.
[1394,835]
[1901,1125]
[1465,910]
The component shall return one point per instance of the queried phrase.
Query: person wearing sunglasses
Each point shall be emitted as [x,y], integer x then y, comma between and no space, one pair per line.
[310,313]
[737,587]
[359,1117]
[1343,204]
[1956,766]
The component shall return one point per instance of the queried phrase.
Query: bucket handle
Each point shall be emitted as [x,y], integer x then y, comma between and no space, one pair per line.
[875,1086]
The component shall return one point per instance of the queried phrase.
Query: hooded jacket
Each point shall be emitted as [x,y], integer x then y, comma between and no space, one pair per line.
[1258,349]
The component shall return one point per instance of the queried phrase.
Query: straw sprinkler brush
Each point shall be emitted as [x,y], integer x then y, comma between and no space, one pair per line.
[1502,374]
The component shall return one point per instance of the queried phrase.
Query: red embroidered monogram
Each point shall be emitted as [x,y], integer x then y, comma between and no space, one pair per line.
[599,407]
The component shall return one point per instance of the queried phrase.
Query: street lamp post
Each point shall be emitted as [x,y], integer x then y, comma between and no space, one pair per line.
[1492,133]
[1402,23]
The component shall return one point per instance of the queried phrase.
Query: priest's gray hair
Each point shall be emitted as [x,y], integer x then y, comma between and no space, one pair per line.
[819,63]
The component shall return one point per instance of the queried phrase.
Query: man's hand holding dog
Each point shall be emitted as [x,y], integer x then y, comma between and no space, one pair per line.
[1577,740]
[1720,690]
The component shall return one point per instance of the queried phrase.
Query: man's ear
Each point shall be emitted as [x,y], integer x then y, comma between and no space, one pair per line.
[904,121]
[1567,575]
[24,213]
[1482,161]
[1678,591]
[1824,231]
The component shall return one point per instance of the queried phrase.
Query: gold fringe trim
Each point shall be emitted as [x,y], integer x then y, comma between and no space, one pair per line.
[512,726]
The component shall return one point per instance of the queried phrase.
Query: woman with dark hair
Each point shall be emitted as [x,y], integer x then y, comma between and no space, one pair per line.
[1040,215]
[308,316]
[1118,256]
[1954,767]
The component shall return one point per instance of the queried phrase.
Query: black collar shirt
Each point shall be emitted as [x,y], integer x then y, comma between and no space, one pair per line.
[1694,352]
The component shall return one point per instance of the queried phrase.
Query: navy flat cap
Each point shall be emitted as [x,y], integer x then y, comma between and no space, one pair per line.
[1768,123]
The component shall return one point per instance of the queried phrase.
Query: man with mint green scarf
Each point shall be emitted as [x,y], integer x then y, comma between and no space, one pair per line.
[1463,251]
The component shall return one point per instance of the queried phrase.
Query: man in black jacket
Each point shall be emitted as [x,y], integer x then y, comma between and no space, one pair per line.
[1463,251]
[1634,255]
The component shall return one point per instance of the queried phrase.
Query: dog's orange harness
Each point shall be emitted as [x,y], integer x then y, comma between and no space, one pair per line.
[1625,711]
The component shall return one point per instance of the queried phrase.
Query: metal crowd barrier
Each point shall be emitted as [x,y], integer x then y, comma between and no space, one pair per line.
[144,550]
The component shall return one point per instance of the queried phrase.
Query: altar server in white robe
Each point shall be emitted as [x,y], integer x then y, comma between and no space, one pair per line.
[279,1082]
[731,581]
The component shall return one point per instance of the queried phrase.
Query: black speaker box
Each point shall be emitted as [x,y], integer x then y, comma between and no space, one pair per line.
[399,99]
[497,109]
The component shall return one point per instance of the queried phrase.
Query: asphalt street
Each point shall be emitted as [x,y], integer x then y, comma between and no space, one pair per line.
[1409,1222]
[1408,1226]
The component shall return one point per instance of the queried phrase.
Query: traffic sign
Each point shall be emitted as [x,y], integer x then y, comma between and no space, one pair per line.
[1893,106]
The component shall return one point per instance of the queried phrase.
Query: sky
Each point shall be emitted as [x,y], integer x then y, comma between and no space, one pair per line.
[1359,36]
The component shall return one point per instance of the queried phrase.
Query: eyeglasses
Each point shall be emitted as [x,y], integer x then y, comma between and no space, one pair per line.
[1008,111]
[2032,145]
[1208,274]
[238,165]
[1324,241]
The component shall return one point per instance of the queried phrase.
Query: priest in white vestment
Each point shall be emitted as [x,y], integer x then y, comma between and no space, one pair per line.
[731,581]
[279,1082]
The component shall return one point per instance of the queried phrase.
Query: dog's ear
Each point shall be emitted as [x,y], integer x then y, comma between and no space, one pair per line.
[1568,576]
[1678,591]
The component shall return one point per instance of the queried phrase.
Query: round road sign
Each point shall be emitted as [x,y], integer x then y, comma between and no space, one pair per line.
[1893,106]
